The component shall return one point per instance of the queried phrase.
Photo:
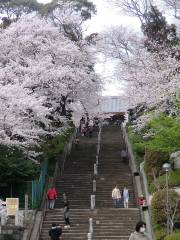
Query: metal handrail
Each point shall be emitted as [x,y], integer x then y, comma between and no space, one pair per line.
[44,204]
[66,152]
[90,233]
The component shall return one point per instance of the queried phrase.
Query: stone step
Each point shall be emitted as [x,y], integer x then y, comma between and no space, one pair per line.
[108,223]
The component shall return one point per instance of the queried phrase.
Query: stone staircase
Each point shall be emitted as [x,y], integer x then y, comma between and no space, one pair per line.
[112,170]
[108,223]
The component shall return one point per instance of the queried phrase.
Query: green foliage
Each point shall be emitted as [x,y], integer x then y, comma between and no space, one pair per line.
[166,134]
[52,149]
[173,181]
[154,161]
[138,145]
[165,139]
[160,232]
[14,167]
[158,205]
[18,7]
[54,146]
[173,236]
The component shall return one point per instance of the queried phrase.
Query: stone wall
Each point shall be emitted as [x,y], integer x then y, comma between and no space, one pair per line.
[11,233]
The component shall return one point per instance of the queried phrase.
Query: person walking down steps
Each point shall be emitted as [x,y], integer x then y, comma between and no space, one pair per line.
[124,155]
[76,142]
[66,211]
[51,196]
[66,215]
[55,232]
[116,197]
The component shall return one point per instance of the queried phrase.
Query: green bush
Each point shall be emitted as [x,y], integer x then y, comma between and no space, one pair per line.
[14,167]
[52,149]
[138,145]
[173,236]
[158,205]
[160,233]
[54,146]
[139,148]
[154,161]
[166,134]
[173,181]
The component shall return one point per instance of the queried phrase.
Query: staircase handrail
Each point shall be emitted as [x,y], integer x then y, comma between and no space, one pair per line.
[132,162]
[145,187]
[66,152]
[99,139]
[137,180]
[41,214]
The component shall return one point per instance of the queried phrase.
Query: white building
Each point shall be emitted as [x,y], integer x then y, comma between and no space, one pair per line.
[113,104]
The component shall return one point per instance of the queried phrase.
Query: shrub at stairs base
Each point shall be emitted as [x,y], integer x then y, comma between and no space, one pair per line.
[160,232]
[159,206]
[173,236]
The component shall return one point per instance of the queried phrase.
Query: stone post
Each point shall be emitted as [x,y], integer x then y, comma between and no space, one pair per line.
[94,185]
[92,202]
[95,169]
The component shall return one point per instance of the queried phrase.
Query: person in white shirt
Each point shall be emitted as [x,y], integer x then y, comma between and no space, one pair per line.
[116,196]
[126,197]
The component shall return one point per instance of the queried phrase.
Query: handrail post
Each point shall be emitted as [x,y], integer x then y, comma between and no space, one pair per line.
[95,169]
[92,202]
[94,185]
[89,236]
[90,233]
[97,160]
[91,225]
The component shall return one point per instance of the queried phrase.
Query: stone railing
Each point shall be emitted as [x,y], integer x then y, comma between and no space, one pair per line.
[93,196]
[139,182]
[3,216]
[19,219]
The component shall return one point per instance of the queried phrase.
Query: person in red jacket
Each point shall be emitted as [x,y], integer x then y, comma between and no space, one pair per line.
[51,196]
[141,201]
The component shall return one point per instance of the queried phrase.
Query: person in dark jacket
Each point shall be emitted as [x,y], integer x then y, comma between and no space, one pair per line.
[66,213]
[55,232]
[139,234]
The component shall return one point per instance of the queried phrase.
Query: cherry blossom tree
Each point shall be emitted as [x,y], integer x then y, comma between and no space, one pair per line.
[137,8]
[152,77]
[175,5]
[39,68]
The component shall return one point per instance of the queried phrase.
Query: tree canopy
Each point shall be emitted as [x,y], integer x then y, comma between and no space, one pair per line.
[41,70]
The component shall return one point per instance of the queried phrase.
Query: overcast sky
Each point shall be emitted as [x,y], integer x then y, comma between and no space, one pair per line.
[44,1]
[107,16]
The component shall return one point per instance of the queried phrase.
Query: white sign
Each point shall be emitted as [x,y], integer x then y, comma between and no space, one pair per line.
[12,206]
